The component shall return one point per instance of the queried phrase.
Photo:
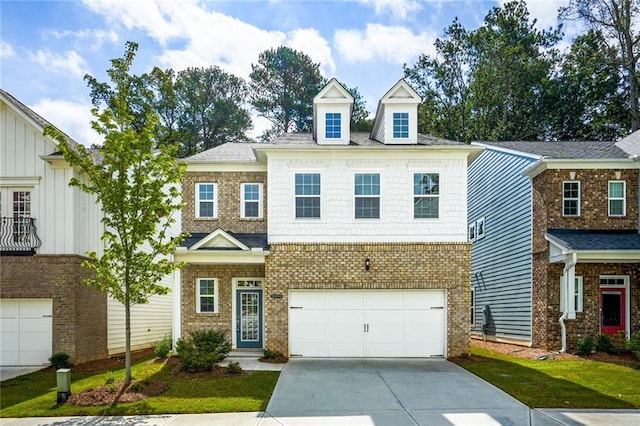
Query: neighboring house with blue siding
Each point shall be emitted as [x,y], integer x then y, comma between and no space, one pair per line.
[556,248]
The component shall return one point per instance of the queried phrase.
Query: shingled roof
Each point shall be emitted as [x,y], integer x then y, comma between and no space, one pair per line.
[565,149]
[586,240]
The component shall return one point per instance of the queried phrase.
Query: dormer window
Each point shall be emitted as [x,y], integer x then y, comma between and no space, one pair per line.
[400,124]
[333,125]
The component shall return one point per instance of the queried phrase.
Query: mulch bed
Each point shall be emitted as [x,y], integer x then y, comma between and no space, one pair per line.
[116,393]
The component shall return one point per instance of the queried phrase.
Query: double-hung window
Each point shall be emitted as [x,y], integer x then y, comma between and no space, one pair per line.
[207,295]
[617,198]
[571,198]
[426,195]
[251,202]
[333,125]
[400,124]
[367,195]
[206,200]
[307,190]
[574,303]
[19,206]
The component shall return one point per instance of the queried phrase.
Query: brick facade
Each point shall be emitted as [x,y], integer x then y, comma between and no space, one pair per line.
[222,320]
[547,208]
[393,266]
[229,184]
[79,311]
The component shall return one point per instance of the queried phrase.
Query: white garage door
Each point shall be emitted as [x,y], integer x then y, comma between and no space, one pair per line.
[342,323]
[25,331]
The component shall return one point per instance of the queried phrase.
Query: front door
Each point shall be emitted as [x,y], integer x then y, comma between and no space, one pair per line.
[249,318]
[612,310]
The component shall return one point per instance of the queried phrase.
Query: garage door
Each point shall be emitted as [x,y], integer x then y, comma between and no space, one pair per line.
[340,323]
[25,331]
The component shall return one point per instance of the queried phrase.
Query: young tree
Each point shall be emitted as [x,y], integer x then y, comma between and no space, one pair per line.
[283,84]
[616,24]
[137,188]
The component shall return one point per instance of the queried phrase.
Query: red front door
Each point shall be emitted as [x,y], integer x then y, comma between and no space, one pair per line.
[612,310]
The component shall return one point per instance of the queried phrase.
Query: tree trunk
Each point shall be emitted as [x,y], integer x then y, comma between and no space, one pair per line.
[127,347]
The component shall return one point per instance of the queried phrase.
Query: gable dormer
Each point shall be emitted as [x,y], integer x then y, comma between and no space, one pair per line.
[332,115]
[396,119]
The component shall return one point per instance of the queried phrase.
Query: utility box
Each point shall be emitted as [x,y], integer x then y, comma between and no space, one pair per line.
[63,380]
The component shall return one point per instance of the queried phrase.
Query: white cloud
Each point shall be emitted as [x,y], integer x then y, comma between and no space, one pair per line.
[400,9]
[96,37]
[73,118]
[69,63]
[6,50]
[314,45]
[394,44]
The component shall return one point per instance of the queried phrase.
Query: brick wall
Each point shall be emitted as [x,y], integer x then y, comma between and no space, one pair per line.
[393,266]
[191,320]
[228,202]
[79,311]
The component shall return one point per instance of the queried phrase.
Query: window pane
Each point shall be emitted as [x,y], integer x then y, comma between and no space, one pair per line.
[425,207]
[251,209]
[570,207]
[332,125]
[307,184]
[426,184]
[616,207]
[308,207]
[616,189]
[206,209]
[207,287]
[205,191]
[368,208]
[367,184]
[571,190]
[251,192]
[207,304]
[400,125]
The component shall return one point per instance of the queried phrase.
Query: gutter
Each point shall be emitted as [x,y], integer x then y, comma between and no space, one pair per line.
[565,283]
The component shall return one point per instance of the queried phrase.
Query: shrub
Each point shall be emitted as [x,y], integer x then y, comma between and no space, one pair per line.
[269,354]
[633,345]
[202,350]
[162,348]
[585,346]
[619,342]
[60,360]
[604,343]
[234,368]
[110,378]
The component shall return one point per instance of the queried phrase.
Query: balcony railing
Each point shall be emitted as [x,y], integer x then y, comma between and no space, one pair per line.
[18,235]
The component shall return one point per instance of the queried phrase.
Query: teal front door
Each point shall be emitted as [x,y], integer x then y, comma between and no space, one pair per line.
[249,319]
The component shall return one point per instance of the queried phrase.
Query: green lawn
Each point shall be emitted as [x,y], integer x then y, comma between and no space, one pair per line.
[558,383]
[35,394]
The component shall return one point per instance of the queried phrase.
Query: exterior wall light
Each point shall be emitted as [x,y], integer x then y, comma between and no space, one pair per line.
[367,264]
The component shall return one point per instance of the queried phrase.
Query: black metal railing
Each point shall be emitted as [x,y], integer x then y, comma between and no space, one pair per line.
[18,235]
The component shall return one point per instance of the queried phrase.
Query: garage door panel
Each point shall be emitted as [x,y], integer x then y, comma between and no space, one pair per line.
[9,325]
[424,299]
[8,308]
[26,331]
[345,300]
[9,357]
[385,300]
[35,308]
[29,325]
[308,299]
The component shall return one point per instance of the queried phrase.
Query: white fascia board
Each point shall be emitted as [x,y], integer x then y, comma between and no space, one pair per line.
[221,257]
[410,239]
[609,256]
[506,150]
[226,166]
[56,161]
[577,164]
[19,180]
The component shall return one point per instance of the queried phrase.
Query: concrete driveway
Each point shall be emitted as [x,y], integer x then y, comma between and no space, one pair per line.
[389,392]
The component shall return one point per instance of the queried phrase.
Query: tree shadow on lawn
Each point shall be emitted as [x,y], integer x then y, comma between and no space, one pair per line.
[539,390]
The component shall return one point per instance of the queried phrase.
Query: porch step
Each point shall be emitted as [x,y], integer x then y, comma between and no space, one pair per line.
[255,354]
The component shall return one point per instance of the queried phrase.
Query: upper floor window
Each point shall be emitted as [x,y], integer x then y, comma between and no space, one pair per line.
[367,193]
[207,295]
[18,213]
[426,195]
[251,202]
[400,124]
[480,228]
[617,198]
[571,198]
[307,195]
[333,125]
[206,200]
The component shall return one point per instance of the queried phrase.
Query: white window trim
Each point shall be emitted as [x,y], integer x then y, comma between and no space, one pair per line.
[627,290]
[473,306]
[215,200]
[215,296]
[471,235]
[243,201]
[408,125]
[379,196]
[310,172]
[326,126]
[414,196]
[624,197]
[576,298]
[480,235]
[579,199]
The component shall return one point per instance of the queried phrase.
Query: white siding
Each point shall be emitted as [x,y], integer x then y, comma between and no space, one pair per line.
[396,223]
[60,212]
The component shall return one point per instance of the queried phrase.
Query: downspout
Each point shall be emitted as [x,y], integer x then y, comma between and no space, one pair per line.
[563,317]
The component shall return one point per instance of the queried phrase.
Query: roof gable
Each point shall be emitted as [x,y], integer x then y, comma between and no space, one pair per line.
[401,92]
[333,91]
[219,239]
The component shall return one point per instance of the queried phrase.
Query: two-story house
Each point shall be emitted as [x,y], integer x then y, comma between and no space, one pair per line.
[331,243]
[46,229]
[556,249]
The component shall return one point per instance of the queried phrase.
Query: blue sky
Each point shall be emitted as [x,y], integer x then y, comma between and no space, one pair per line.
[46,47]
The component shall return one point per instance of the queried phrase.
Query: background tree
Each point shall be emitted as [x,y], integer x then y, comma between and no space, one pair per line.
[615,22]
[137,188]
[283,84]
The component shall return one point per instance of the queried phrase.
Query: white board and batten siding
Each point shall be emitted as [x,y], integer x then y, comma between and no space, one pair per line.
[501,261]
[67,220]
[337,221]
[374,323]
